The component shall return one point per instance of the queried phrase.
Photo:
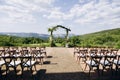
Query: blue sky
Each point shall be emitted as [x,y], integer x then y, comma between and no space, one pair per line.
[81,16]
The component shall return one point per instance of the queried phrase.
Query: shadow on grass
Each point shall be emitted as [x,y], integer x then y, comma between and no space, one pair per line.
[48,62]
[49,56]
[42,75]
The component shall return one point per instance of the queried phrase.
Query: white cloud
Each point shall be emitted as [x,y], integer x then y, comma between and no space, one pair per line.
[84,13]
[22,10]
[92,13]
[55,14]
[15,14]
[102,12]
[55,23]
[83,1]
[32,5]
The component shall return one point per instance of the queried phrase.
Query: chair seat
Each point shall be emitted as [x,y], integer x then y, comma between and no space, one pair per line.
[111,55]
[6,55]
[14,64]
[29,63]
[81,55]
[91,63]
[116,62]
[43,51]
[2,62]
[27,55]
[105,62]
[92,54]
[39,55]
[16,55]
[100,54]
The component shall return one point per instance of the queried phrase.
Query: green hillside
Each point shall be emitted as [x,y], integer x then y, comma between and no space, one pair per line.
[106,38]
[6,40]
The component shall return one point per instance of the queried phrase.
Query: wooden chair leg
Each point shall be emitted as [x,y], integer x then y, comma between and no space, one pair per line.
[45,55]
[116,70]
[15,72]
[102,70]
[98,71]
[111,70]
[79,59]
[31,70]
[85,67]
[35,67]
[31,73]
[22,72]
[7,71]
[42,60]
[74,54]
[0,73]
[89,71]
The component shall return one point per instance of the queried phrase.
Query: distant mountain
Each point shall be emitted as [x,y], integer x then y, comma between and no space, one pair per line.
[36,35]
[63,35]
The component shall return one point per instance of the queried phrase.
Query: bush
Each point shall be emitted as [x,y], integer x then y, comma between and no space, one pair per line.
[71,45]
[52,44]
[117,45]
[6,44]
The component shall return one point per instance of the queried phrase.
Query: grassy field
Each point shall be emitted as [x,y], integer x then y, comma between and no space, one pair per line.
[42,44]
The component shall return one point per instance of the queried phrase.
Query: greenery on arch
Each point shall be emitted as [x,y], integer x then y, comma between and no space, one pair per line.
[51,30]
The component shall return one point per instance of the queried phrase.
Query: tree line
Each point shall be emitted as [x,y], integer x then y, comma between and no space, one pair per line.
[108,38]
[18,41]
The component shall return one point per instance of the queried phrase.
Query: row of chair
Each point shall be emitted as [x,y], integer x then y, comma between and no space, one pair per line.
[12,57]
[14,62]
[24,51]
[96,57]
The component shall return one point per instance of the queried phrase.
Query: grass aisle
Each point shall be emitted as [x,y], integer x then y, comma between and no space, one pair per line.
[61,66]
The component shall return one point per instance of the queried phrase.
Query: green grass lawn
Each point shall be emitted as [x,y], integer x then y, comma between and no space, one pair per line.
[42,44]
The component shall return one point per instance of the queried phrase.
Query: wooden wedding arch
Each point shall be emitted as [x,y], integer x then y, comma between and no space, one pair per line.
[51,30]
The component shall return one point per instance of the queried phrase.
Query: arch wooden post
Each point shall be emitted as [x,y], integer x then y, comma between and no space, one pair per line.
[67,38]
